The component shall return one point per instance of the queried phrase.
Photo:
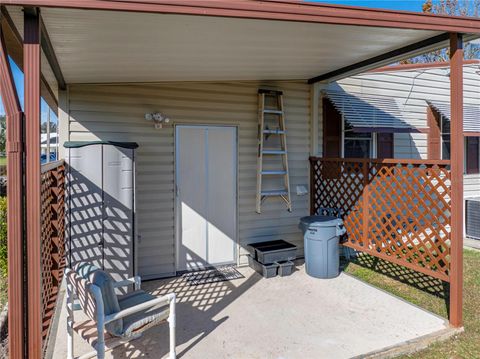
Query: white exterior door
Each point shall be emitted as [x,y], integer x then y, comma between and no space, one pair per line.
[206,196]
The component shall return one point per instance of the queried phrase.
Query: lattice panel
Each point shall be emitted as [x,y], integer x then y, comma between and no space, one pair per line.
[52,241]
[333,189]
[393,209]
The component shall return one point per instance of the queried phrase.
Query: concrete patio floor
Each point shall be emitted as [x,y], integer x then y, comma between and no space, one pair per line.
[291,317]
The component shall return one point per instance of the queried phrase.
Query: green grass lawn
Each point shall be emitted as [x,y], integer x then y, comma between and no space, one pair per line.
[3,161]
[431,294]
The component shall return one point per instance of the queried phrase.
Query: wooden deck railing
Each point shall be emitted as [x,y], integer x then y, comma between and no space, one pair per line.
[52,239]
[397,210]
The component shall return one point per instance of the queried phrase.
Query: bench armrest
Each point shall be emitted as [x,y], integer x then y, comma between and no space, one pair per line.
[126,282]
[164,300]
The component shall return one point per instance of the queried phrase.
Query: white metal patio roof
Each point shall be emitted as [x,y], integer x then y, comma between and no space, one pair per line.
[99,46]
[471,114]
[367,113]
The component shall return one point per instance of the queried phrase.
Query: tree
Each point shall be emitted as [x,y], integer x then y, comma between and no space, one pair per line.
[469,8]
[53,127]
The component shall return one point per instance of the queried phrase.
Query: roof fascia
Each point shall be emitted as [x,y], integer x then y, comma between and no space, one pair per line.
[275,10]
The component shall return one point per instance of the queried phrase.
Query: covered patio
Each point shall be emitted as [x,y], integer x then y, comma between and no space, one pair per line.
[290,317]
[105,65]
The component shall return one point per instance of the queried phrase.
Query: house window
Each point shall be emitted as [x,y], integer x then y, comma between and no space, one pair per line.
[339,139]
[355,144]
[472,148]
[445,137]
[472,155]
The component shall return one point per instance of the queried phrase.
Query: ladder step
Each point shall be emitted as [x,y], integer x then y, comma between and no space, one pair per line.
[274,173]
[273,112]
[274,152]
[274,132]
[274,192]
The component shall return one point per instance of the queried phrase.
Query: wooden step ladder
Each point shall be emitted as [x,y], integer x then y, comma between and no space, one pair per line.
[271,122]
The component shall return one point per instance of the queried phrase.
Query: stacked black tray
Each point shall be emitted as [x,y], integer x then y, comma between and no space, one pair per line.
[272,257]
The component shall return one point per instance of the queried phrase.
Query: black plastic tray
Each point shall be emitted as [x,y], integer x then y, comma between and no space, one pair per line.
[267,270]
[273,251]
[285,268]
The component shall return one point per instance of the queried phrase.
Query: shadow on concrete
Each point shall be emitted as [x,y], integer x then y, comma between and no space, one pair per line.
[423,282]
[197,309]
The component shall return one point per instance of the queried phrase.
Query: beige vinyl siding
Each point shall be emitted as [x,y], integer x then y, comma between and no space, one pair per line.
[116,112]
[471,185]
[320,121]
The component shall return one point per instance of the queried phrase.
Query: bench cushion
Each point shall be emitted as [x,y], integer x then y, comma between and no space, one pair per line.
[145,319]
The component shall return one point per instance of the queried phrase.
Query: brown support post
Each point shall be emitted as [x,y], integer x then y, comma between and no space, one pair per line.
[366,199]
[457,153]
[31,67]
[14,120]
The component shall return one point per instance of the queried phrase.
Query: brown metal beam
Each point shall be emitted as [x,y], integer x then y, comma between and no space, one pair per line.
[299,11]
[424,65]
[32,70]
[380,59]
[14,121]
[14,43]
[457,158]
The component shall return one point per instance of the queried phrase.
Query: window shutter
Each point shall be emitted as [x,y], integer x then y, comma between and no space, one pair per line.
[434,142]
[385,145]
[473,155]
[332,128]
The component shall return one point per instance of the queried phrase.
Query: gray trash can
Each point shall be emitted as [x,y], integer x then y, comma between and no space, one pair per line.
[321,236]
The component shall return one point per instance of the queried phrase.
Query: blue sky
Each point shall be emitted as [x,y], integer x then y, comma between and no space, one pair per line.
[408,5]
[18,78]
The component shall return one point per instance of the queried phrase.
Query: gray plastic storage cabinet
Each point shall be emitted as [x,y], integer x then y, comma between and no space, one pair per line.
[101,194]
[321,236]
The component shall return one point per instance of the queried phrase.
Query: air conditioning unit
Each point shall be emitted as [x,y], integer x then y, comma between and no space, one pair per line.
[472,217]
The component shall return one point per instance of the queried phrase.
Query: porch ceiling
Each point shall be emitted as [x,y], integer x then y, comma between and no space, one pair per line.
[106,46]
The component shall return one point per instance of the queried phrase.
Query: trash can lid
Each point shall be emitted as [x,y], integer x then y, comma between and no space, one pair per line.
[320,221]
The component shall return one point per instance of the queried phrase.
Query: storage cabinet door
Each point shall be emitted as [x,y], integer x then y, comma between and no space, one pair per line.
[85,197]
[118,192]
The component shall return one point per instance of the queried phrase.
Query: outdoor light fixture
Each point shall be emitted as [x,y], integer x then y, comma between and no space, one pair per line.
[158,119]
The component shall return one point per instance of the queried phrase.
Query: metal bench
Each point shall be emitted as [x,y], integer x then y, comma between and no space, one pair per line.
[113,319]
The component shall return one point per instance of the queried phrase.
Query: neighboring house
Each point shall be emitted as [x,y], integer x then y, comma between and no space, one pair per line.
[49,147]
[403,112]
[49,144]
